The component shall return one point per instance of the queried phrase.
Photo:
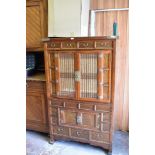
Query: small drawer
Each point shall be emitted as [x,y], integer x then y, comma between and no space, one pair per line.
[54,45]
[100,137]
[103,44]
[83,134]
[103,107]
[35,85]
[68,45]
[86,106]
[57,103]
[83,45]
[61,130]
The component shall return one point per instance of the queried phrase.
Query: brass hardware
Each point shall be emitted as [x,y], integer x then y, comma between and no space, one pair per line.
[77,76]
[60,129]
[52,45]
[78,105]
[78,133]
[100,97]
[79,119]
[98,121]
[94,107]
[100,55]
[98,135]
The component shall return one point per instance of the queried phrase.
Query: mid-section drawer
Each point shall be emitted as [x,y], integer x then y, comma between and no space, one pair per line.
[79,133]
[61,130]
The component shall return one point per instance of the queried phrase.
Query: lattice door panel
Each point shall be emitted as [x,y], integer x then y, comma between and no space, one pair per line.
[88,69]
[95,73]
[67,82]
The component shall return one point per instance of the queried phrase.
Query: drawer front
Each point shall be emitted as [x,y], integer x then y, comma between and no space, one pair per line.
[54,45]
[61,130]
[100,137]
[84,45]
[78,133]
[69,45]
[103,44]
[35,85]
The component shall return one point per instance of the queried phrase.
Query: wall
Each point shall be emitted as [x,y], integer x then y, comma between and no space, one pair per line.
[103,26]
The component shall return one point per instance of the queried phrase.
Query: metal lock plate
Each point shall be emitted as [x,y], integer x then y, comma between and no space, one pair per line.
[79,119]
[77,76]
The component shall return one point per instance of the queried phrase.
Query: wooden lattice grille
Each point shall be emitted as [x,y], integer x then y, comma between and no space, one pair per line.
[88,69]
[67,82]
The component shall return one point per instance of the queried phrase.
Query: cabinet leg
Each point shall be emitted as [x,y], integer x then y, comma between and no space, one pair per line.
[51,141]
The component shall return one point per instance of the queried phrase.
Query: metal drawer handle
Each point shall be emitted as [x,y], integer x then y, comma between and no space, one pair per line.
[85,44]
[52,45]
[60,129]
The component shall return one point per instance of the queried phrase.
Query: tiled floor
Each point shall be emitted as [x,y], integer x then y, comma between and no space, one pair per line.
[37,144]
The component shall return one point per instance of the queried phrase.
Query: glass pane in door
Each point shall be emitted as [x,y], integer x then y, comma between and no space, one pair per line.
[88,69]
[67,83]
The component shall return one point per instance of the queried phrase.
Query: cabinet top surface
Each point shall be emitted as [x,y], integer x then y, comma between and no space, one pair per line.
[80,38]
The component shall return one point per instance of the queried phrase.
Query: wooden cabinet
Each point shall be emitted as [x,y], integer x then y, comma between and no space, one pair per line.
[36,106]
[80,89]
[36,24]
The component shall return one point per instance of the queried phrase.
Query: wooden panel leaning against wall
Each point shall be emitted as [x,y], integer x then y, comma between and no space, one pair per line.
[104,22]
[36,24]
[109,4]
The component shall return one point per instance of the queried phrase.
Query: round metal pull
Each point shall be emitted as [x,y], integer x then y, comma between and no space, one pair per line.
[78,133]
[98,135]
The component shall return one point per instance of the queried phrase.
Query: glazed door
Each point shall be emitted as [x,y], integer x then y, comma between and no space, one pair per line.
[95,75]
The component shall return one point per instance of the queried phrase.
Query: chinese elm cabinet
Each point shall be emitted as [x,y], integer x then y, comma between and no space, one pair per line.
[80,89]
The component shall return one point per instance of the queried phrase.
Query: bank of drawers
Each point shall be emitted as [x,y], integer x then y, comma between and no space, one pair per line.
[106,44]
[86,135]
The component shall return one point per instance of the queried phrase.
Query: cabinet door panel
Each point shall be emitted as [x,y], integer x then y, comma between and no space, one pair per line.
[62,74]
[95,72]
[35,108]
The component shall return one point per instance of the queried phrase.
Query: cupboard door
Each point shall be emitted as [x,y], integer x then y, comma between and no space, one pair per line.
[62,75]
[95,71]
[36,114]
